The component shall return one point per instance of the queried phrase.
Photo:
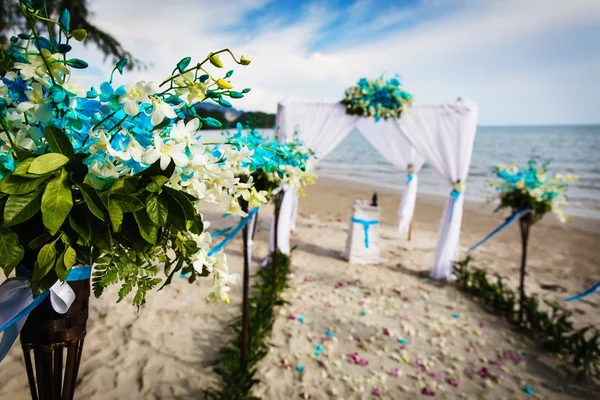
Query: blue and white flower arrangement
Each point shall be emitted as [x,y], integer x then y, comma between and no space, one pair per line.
[379,99]
[532,188]
[112,177]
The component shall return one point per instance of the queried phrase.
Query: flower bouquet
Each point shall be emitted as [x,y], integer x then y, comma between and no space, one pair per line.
[109,178]
[530,192]
[377,99]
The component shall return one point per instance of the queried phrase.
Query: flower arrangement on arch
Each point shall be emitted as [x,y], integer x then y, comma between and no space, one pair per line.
[276,164]
[532,188]
[110,177]
[377,98]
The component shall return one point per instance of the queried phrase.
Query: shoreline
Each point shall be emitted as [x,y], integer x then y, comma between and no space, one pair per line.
[584,213]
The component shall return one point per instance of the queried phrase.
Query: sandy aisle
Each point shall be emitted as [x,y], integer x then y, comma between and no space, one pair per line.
[164,350]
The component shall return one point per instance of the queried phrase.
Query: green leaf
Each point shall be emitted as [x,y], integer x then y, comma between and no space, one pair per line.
[81,226]
[58,141]
[187,206]
[116,214]
[128,203]
[11,252]
[182,65]
[45,261]
[57,202]
[60,268]
[23,167]
[11,184]
[47,163]
[156,184]
[39,241]
[70,257]
[148,230]
[92,200]
[157,208]
[19,208]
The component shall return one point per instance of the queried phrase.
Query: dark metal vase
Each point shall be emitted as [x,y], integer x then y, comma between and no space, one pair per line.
[47,334]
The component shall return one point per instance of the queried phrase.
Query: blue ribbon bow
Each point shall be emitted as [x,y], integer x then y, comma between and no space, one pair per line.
[227,238]
[13,326]
[366,224]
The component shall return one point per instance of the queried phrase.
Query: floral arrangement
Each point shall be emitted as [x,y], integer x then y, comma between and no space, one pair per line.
[532,188]
[291,165]
[111,177]
[377,99]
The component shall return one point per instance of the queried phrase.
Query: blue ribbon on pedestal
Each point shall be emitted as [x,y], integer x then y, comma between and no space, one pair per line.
[366,224]
[515,216]
[229,237]
[21,290]
[595,287]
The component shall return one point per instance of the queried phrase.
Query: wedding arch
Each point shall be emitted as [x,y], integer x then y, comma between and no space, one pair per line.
[441,135]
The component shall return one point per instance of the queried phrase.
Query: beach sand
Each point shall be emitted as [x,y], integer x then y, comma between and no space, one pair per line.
[164,351]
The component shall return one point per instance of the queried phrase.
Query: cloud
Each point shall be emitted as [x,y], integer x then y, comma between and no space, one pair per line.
[496,52]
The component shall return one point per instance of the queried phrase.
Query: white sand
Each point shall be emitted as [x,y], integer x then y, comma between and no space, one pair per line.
[164,350]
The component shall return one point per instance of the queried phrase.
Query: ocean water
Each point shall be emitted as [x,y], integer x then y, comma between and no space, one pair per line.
[572,149]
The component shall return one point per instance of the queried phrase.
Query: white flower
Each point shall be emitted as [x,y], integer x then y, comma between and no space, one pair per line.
[187,133]
[22,139]
[234,208]
[166,152]
[222,280]
[196,91]
[137,93]
[160,110]
[254,198]
[37,68]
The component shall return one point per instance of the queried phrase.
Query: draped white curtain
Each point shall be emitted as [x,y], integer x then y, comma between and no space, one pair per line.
[390,142]
[444,136]
[319,125]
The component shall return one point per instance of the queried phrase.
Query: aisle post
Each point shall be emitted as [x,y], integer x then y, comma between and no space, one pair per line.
[278,201]
[524,227]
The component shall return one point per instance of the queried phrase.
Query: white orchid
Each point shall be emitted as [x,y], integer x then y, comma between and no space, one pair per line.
[160,110]
[37,70]
[135,94]
[187,133]
[166,152]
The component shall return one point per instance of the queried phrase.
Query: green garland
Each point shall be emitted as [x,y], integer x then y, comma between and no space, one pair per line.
[554,330]
[237,379]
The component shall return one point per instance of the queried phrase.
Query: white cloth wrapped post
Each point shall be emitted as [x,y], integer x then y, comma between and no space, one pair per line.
[362,245]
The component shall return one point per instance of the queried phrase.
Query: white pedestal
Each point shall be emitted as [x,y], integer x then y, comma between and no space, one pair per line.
[361,249]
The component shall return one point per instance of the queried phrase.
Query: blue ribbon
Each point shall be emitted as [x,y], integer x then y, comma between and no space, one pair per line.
[595,287]
[229,237]
[409,178]
[516,215]
[13,327]
[366,224]
[221,232]
[455,195]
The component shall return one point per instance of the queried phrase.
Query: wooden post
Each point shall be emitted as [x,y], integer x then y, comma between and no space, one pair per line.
[410,230]
[278,201]
[524,227]
[246,290]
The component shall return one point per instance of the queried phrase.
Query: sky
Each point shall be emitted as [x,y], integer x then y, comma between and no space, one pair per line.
[525,62]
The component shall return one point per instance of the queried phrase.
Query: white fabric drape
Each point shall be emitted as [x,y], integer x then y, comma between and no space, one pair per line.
[319,125]
[444,135]
[390,142]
